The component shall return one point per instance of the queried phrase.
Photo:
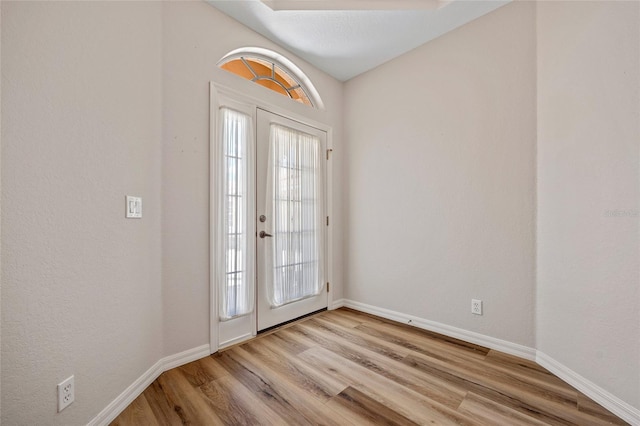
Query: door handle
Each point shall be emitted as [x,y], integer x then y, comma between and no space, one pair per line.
[263,234]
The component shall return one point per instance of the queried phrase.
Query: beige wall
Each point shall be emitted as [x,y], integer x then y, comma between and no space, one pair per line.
[440,175]
[196,36]
[101,100]
[588,313]
[81,128]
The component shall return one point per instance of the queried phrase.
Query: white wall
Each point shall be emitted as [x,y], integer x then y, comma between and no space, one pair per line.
[81,127]
[196,36]
[588,313]
[440,175]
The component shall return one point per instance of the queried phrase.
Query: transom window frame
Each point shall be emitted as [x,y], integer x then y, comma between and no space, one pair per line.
[276,60]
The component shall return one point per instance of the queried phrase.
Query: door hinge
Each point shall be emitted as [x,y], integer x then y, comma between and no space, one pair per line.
[327,287]
[329,151]
[327,220]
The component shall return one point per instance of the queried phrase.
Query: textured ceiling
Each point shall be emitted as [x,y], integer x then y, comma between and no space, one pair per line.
[345,43]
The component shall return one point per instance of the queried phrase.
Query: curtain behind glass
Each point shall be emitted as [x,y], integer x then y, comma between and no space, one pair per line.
[295,199]
[236,281]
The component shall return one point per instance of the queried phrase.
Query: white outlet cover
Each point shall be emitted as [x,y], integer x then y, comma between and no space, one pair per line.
[66,393]
[476,307]
[133,207]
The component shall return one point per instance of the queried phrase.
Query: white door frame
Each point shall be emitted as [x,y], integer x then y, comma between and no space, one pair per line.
[219,96]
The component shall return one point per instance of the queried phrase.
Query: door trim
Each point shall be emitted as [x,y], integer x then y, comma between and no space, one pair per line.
[220,95]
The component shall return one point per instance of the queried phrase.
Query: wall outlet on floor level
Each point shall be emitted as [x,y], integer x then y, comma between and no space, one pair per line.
[66,393]
[476,306]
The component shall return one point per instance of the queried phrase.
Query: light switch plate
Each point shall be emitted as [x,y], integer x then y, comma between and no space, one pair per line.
[133,207]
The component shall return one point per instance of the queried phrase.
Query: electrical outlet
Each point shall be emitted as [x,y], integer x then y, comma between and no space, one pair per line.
[66,393]
[476,307]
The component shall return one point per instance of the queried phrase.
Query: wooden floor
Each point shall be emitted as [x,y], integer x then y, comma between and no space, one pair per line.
[347,368]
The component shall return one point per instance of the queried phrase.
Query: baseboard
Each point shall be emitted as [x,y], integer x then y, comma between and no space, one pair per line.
[337,304]
[612,403]
[185,357]
[123,400]
[458,333]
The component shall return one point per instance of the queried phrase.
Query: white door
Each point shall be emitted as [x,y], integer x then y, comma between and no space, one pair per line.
[290,219]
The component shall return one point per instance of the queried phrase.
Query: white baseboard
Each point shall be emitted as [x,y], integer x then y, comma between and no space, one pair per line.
[336,304]
[123,400]
[458,333]
[185,357]
[612,403]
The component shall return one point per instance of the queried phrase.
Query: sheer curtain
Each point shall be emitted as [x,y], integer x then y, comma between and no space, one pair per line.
[235,213]
[295,199]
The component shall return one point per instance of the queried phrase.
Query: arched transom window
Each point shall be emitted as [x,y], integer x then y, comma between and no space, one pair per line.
[273,71]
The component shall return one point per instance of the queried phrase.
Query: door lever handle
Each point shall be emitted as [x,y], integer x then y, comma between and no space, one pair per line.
[263,234]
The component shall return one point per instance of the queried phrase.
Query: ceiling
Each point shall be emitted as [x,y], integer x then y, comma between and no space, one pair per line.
[345,38]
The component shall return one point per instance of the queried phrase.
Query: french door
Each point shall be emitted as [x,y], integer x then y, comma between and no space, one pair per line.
[269,225]
[290,219]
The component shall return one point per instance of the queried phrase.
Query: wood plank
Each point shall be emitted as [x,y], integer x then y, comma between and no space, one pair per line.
[498,368]
[202,371]
[436,348]
[138,412]
[396,371]
[339,317]
[254,380]
[322,386]
[163,412]
[586,405]
[290,346]
[292,334]
[361,316]
[552,408]
[362,339]
[296,394]
[515,361]
[478,371]
[425,336]
[492,413]
[360,409]
[186,400]
[528,372]
[237,405]
[406,402]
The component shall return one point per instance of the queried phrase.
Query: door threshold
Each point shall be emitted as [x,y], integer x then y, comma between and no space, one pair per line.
[290,322]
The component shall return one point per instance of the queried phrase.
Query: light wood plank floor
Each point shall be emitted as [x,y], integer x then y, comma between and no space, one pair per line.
[348,368]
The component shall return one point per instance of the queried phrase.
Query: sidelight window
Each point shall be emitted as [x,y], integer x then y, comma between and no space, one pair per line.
[237,293]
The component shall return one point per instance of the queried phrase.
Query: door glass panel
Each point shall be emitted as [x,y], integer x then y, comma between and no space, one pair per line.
[295,200]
